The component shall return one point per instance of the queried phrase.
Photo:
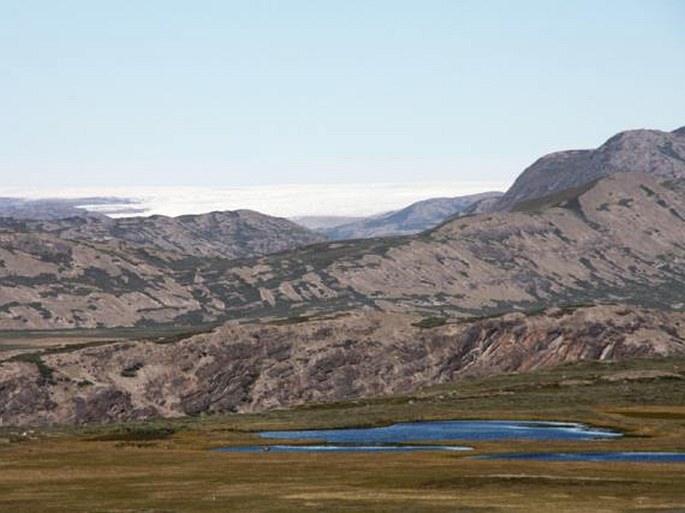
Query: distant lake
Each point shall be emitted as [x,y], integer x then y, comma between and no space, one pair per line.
[387,438]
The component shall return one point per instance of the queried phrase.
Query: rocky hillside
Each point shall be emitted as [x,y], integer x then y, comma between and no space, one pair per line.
[231,234]
[643,151]
[415,218]
[619,239]
[244,368]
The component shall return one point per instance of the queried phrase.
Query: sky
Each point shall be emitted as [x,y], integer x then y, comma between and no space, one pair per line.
[223,94]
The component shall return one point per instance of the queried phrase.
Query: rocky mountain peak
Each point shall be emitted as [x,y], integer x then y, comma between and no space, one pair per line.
[643,151]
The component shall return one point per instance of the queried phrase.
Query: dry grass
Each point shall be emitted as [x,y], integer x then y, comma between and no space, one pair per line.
[94,470]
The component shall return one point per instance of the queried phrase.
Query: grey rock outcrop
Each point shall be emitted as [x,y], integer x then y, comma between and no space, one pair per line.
[642,151]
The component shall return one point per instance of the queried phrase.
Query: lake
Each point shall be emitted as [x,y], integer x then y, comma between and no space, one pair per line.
[343,448]
[389,438]
[443,431]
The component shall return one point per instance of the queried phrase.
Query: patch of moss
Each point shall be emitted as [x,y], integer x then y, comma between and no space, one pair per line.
[46,372]
[430,322]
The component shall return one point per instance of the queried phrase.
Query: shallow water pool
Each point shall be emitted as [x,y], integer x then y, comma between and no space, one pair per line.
[617,456]
[344,448]
[436,431]
[431,433]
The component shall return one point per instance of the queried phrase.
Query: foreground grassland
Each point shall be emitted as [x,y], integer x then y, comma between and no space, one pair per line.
[165,466]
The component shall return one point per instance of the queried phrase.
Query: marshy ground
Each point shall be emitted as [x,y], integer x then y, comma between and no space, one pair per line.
[166,466]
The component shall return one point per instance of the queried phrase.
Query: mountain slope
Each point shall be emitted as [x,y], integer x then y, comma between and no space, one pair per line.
[415,218]
[230,234]
[619,239]
[257,367]
[644,151]
[321,223]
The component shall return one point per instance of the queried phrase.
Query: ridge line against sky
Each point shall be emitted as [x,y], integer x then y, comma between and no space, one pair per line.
[232,93]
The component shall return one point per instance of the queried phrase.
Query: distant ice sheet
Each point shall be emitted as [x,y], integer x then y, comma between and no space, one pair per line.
[279,200]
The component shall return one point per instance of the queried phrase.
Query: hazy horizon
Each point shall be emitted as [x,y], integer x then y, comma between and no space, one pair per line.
[283,200]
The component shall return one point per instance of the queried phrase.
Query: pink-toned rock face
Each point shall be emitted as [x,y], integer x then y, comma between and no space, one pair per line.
[256,367]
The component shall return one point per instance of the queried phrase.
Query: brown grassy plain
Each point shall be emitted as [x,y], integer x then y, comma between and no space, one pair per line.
[165,466]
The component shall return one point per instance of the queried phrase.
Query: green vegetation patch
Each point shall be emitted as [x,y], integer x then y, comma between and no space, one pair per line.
[168,466]
[430,322]
[46,372]
[137,433]
[295,319]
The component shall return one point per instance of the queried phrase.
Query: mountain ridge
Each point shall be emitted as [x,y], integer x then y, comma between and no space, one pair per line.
[224,234]
[257,367]
[648,151]
[618,239]
[415,218]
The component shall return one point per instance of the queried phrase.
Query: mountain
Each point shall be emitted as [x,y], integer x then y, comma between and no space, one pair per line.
[643,151]
[415,218]
[97,271]
[231,234]
[594,271]
[617,239]
[320,223]
[256,367]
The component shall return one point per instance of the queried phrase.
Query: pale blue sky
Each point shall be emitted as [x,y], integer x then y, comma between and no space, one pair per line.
[253,92]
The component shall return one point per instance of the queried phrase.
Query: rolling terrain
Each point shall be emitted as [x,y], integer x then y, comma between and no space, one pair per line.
[128,347]
[417,217]
[167,465]
[618,239]
[230,234]
[590,272]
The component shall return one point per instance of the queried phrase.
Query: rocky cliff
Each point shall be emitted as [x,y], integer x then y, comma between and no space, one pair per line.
[255,367]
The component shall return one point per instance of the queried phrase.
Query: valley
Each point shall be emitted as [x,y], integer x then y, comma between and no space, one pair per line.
[134,348]
[342,257]
[616,240]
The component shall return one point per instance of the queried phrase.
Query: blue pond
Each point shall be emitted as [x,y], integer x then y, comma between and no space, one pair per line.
[442,431]
[344,448]
[636,457]
[384,439]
